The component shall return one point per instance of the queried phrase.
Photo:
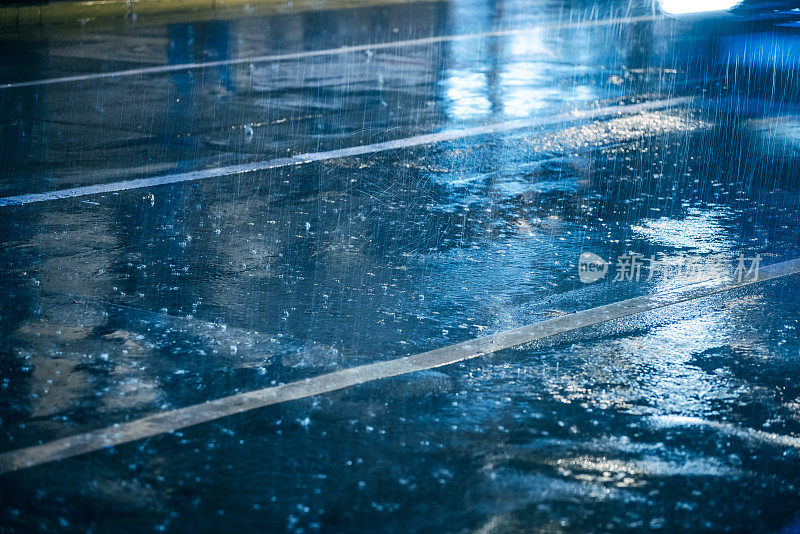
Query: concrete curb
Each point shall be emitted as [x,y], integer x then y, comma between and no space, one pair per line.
[82,11]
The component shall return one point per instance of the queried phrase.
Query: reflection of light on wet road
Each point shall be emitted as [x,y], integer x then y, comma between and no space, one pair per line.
[653,373]
[466,92]
[685,7]
[701,231]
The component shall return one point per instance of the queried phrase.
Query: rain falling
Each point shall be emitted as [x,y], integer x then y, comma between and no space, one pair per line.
[400,266]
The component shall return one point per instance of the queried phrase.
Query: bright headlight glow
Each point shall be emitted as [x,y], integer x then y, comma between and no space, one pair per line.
[683,7]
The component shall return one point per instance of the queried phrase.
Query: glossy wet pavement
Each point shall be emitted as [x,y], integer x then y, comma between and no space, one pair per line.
[146,298]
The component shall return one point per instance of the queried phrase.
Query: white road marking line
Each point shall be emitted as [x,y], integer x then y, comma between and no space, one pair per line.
[166,422]
[447,135]
[329,51]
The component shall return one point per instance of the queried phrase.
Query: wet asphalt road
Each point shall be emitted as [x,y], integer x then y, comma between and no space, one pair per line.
[156,296]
